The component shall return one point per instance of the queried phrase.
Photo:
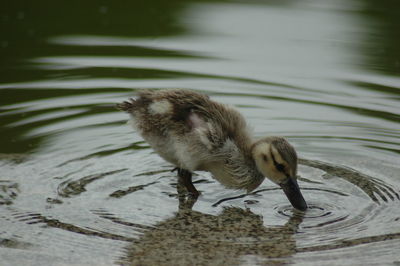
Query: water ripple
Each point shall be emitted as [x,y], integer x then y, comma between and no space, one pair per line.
[72,187]
[36,218]
[8,192]
[376,189]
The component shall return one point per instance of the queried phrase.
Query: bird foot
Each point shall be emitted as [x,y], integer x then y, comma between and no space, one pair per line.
[194,194]
[185,178]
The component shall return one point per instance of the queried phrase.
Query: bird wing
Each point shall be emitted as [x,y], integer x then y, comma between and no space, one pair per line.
[198,126]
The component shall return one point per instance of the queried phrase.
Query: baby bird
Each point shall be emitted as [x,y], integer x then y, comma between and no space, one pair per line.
[195,133]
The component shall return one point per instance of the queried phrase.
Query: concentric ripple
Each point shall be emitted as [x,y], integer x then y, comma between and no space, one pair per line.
[354,217]
[313,211]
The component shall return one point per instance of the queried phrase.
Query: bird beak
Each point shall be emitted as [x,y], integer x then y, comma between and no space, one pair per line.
[292,191]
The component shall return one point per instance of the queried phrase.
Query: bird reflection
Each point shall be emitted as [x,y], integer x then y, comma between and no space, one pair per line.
[193,238]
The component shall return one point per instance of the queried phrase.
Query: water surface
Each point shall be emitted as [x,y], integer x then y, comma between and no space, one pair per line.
[79,187]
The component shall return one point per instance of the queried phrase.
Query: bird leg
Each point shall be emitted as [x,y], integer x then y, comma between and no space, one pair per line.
[185,178]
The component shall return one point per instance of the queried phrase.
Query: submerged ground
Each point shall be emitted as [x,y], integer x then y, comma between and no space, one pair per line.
[79,187]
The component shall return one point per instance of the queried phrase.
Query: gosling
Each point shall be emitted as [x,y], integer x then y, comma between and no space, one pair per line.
[195,133]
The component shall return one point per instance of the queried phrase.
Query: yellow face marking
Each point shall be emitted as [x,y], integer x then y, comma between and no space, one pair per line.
[280,164]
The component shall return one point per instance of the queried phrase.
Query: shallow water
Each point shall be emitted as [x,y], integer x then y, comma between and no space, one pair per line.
[79,187]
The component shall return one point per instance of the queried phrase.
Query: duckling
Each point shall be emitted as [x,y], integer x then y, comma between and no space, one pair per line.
[195,133]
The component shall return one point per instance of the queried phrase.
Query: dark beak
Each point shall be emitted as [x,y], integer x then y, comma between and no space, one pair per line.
[292,191]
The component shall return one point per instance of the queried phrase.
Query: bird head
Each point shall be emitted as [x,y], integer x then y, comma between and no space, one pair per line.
[276,159]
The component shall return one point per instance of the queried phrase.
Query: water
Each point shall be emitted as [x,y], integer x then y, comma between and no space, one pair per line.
[80,187]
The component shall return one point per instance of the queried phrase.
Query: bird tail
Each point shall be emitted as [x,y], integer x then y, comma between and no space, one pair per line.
[127,106]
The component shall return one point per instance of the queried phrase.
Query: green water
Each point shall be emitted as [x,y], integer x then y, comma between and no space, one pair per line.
[79,187]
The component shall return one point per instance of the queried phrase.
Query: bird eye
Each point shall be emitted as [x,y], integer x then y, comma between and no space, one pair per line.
[280,167]
[265,157]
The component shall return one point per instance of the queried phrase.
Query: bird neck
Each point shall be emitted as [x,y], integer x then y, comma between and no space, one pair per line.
[241,165]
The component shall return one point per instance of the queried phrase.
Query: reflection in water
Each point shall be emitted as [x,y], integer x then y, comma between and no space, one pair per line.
[27,27]
[230,238]
[382,46]
[238,236]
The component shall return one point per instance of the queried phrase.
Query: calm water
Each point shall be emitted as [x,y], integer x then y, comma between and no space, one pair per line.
[79,187]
